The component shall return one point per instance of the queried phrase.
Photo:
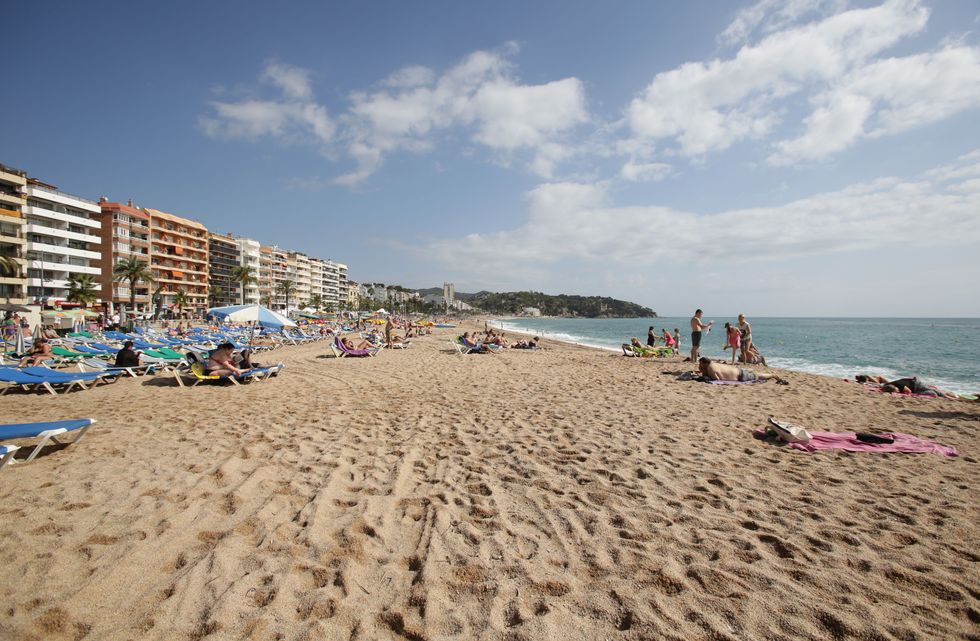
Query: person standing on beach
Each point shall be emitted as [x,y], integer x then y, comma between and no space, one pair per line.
[745,330]
[696,328]
[651,337]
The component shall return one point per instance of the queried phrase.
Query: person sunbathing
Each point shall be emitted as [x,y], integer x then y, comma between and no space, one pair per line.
[870,378]
[478,347]
[350,345]
[723,372]
[221,363]
[913,385]
[40,352]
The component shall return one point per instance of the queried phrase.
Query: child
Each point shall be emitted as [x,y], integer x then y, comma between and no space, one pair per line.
[734,340]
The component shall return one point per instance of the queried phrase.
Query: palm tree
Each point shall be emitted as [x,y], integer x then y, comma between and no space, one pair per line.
[265,301]
[180,299]
[81,289]
[245,275]
[316,302]
[286,288]
[214,293]
[134,270]
[9,266]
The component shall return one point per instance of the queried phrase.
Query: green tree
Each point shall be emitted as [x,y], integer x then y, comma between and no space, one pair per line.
[133,270]
[245,276]
[9,266]
[316,302]
[82,289]
[181,300]
[287,288]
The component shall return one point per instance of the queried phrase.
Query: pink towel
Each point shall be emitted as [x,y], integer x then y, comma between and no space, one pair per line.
[848,442]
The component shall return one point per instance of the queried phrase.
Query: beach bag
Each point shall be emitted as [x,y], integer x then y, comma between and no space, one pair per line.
[789,432]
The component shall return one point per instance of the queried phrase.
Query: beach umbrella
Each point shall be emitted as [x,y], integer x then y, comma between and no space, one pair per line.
[252,313]
[10,307]
[19,347]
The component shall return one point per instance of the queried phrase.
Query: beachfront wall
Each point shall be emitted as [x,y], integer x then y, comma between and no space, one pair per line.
[13,198]
[63,240]
[124,234]
[179,258]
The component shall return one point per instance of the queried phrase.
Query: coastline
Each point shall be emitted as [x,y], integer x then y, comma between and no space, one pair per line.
[529,494]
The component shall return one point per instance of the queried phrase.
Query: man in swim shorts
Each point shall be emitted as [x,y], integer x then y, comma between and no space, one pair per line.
[723,372]
[696,328]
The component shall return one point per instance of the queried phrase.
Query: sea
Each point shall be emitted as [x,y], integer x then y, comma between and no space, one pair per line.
[940,351]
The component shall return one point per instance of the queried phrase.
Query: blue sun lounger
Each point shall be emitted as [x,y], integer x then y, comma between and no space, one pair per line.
[47,432]
[35,378]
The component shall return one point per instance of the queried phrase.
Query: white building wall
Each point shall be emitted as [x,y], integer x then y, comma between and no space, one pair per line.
[250,252]
[62,241]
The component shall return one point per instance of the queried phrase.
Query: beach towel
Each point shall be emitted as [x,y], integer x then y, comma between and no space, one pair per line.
[735,382]
[849,442]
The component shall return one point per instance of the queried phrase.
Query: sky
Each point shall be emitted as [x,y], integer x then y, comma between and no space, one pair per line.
[791,158]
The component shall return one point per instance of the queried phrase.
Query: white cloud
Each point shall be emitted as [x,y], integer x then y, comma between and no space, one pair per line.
[413,76]
[295,117]
[480,93]
[569,221]
[767,16]
[887,97]
[710,106]
[293,81]
[645,172]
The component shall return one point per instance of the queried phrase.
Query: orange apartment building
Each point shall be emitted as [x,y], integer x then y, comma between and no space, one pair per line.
[179,258]
[125,233]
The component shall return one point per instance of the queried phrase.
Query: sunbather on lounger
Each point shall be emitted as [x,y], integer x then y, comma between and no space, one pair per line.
[220,362]
[127,357]
[349,344]
[723,372]
[40,352]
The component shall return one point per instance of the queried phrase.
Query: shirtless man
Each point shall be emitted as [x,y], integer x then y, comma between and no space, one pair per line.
[696,328]
[723,372]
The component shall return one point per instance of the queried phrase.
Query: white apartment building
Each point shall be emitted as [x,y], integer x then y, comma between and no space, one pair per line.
[62,240]
[298,271]
[250,252]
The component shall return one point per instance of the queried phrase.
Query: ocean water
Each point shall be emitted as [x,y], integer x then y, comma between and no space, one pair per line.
[940,351]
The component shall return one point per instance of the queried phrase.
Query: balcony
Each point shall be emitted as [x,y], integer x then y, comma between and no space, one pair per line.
[65,251]
[63,267]
[41,212]
[61,233]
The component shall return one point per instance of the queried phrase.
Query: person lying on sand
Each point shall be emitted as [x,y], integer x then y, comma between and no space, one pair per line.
[723,372]
[914,386]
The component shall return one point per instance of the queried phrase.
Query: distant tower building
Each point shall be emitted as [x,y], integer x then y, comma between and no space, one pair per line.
[449,294]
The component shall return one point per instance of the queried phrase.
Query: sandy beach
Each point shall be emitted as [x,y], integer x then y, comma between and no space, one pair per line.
[557,494]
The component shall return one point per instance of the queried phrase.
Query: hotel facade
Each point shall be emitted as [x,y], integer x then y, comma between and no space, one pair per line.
[13,198]
[179,259]
[63,241]
[125,234]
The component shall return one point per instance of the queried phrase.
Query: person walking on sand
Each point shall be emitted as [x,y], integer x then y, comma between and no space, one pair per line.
[696,328]
[745,332]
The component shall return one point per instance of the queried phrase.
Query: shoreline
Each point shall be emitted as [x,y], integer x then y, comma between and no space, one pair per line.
[833,371]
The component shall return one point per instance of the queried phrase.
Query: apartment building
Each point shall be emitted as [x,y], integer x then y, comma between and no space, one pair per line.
[63,241]
[273,271]
[179,259]
[125,234]
[250,255]
[353,295]
[13,272]
[341,283]
[223,258]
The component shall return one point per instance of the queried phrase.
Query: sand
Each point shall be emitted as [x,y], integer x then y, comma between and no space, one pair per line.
[421,495]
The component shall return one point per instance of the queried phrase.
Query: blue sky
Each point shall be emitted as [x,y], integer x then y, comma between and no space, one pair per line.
[814,157]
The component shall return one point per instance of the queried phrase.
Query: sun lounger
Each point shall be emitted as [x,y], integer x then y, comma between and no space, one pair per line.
[340,350]
[47,432]
[7,454]
[197,375]
[17,377]
[96,365]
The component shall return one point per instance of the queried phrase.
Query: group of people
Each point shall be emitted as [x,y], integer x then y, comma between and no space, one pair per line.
[738,338]
[669,340]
